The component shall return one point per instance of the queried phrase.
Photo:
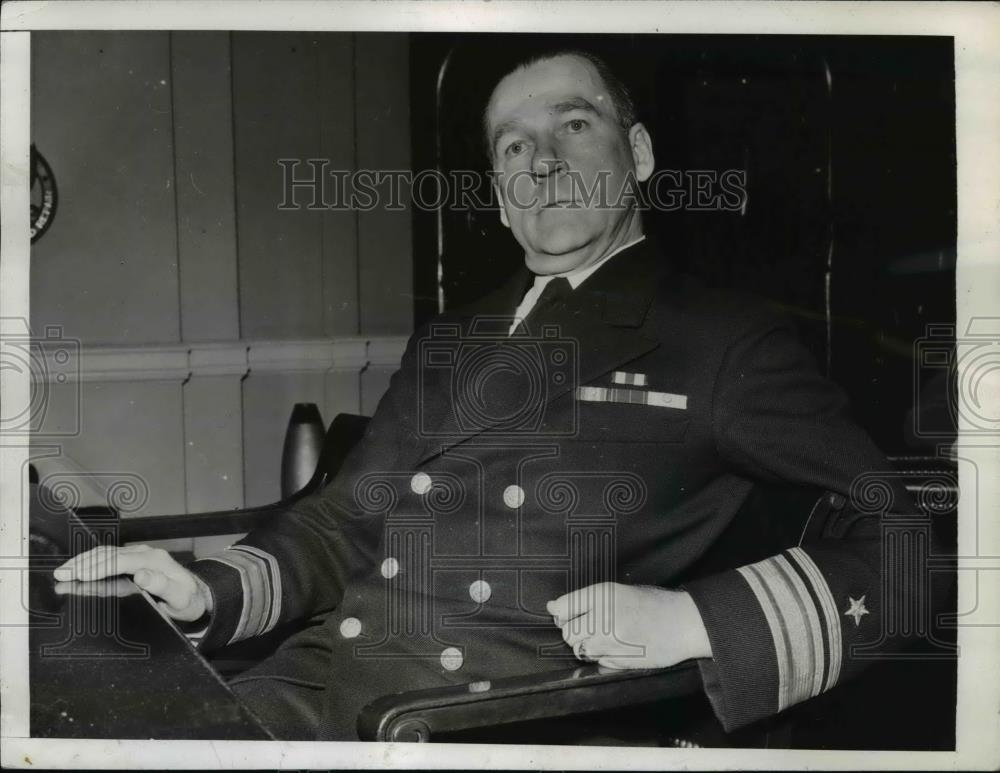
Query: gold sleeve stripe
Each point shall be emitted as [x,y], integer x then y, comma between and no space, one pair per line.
[829,611]
[779,635]
[796,627]
[274,576]
[258,574]
[813,678]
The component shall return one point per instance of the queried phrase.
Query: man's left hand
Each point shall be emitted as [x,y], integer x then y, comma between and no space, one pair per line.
[631,626]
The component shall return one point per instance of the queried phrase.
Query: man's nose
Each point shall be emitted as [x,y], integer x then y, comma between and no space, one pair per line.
[546,161]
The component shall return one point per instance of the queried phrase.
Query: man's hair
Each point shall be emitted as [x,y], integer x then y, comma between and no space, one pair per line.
[624,103]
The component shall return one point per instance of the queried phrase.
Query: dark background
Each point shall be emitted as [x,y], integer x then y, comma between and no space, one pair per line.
[849,149]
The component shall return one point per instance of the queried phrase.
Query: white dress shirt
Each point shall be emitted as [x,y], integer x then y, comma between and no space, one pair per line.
[575,277]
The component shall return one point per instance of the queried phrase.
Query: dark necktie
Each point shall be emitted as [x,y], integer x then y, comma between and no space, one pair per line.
[554,292]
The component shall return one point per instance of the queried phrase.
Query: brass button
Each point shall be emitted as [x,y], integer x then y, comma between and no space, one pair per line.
[451,659]
[513,496]
[390,568]
[420,483]
[480,591]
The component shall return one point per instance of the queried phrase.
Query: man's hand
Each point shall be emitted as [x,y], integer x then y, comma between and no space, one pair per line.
[183,595]
[631,626]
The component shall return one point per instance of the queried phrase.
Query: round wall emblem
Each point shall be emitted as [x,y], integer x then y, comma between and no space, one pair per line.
[44,196]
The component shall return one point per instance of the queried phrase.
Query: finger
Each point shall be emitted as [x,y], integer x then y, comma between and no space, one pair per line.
[106,553]
[68,569]
[574,603]
[115,563]
[584,651]
[135,549]
[619,654]
[574,633]
[151,581]
[175,593]
[608,663]
[600,646]
[189,614]
[96,560]
[92,565]
[118,587]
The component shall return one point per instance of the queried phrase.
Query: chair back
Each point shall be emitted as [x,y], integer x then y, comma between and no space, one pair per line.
[343,434]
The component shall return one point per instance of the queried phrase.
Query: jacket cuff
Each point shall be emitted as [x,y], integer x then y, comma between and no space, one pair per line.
[246,587]
[776,637]
[741,675]
[224,584]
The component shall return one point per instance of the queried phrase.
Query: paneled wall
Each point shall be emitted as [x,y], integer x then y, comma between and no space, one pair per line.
[200,310]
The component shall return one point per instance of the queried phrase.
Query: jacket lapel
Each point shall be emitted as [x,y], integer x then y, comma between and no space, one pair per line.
[601,324]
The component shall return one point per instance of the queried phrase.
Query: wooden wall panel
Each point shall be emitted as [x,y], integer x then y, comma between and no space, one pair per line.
[342,393]
[337,118]
[206,217]
[385,250]
[213,434]
[169,252]
[275,84]
[282,374]
[129,429]
[101,114]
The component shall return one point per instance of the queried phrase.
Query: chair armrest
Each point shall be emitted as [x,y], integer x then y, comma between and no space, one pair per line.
[420,714]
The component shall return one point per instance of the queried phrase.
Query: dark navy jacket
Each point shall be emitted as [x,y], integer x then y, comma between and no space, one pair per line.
[615,440]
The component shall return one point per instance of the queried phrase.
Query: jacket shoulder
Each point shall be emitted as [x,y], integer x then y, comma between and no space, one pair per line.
[685,302]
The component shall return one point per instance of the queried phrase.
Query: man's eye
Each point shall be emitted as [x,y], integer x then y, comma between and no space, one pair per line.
[515,148]
[576,125]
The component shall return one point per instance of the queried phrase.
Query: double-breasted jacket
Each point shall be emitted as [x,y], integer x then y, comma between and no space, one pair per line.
[614,438]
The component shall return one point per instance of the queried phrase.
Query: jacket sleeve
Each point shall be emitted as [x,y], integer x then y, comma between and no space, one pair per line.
[299,563]
[782,630]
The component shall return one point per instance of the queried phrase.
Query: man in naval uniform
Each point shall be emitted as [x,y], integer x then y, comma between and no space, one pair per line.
[547,466]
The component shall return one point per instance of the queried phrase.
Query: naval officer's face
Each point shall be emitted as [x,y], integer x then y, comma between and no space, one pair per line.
[556,140]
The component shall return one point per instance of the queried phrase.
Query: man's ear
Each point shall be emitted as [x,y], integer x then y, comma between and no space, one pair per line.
[641,146]
[503,209]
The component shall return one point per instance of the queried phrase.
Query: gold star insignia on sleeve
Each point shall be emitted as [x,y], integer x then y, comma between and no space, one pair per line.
[856,610]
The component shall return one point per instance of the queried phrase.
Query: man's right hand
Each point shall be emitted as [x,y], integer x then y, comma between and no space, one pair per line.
[182,594]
